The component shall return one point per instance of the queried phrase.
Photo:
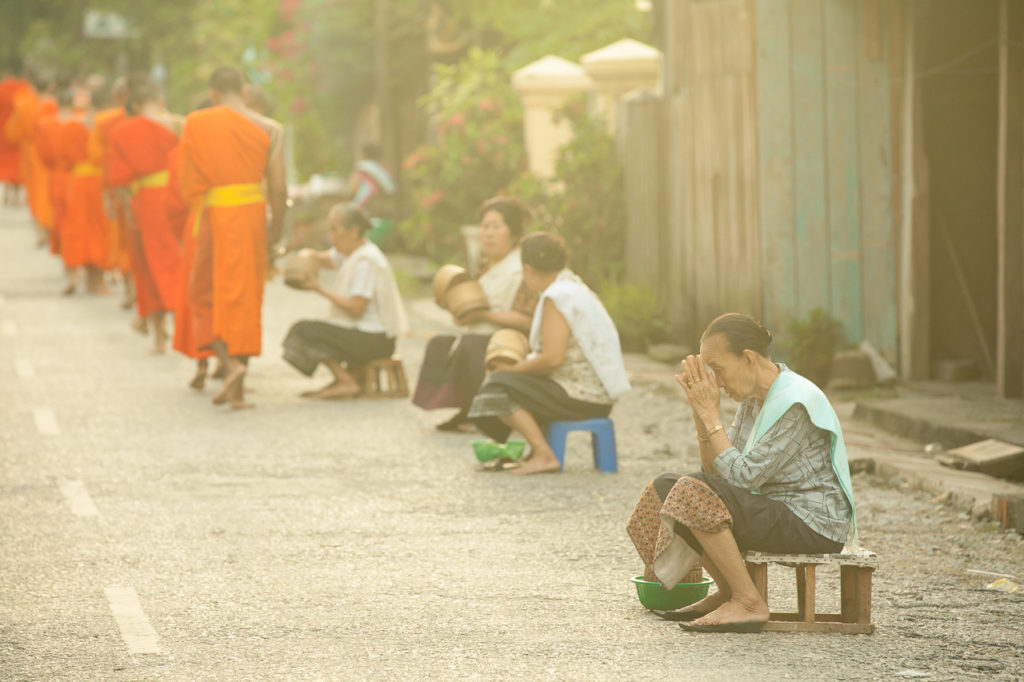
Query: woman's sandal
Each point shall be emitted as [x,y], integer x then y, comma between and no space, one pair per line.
[685,616]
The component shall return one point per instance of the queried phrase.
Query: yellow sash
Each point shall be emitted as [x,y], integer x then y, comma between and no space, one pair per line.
[157,179]
[86,170]
[230,195]
[234,195]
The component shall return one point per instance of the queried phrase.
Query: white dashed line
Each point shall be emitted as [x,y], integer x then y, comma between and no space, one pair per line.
[9,328]
[78,499]
[24,369]
[46,421]
[136,631]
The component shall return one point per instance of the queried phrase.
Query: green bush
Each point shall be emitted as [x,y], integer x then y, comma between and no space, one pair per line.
[810,344]
[637,312]
[585,202]
[477,152]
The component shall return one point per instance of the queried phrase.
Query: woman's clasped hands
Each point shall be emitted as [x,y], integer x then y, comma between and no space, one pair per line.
[701,389]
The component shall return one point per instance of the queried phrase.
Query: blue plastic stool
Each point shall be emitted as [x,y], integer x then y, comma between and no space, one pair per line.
[602,435]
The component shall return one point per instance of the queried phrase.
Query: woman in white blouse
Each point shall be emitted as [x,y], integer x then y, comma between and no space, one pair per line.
[453,366]
[365,314]
[574,370]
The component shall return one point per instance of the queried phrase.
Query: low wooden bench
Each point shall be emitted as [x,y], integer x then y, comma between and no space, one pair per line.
[855,592]
[385,378]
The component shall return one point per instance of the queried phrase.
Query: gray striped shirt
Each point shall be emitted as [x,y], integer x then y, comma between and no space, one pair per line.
[791,464]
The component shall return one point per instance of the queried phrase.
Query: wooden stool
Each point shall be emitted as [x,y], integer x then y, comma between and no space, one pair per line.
[385,378]
[855,592]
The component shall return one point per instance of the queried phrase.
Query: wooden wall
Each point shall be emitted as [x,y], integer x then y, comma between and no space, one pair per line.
[712,238]
[826,165]
[776,191]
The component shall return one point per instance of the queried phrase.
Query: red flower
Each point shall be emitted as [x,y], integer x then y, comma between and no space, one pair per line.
[501,140]
[411,161]
[481,146]
[456,120]
[298,106]
[432,199]
[486,105]
[287,9]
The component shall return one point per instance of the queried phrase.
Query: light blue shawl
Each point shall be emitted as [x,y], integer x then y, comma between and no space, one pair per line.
[788,389]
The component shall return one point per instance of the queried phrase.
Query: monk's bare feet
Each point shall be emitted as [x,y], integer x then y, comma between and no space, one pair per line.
[338,391]
[68,290]
[198,381]
[736,611]
[220,372]
[539,462]
[139,325]
[238,398]
[231,380]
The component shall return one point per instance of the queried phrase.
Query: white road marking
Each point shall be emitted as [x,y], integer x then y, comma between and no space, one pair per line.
[136,631]
[23,368]
[46,421]
[9,328]
[78,499]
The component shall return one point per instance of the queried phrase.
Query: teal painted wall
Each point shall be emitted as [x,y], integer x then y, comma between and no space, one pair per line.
[825,150]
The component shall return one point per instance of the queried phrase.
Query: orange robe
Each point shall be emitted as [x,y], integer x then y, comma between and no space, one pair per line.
[23,127]
[220,148]
[10,150]
[182,222]
[138,153]
[49,141]
[120,250]
[84,234]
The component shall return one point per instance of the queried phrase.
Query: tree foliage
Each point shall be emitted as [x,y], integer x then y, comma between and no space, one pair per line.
[525,30]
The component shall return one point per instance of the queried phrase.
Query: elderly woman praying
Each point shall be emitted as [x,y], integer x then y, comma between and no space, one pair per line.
[776,480]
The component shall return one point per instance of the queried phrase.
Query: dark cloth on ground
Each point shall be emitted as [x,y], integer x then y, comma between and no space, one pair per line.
[310,342]
[759,523]
[452,371]
[542,397]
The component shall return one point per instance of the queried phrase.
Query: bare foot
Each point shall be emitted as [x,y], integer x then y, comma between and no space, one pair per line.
[317,391]
[538,463]
[227,392]
[338,391]
[198,381]
[139,325]
[734,611]
[220,372]
[68,290]
[158,350]
[705,605]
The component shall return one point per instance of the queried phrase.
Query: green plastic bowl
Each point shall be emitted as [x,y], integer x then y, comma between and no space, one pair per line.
[486,450]
[657,598]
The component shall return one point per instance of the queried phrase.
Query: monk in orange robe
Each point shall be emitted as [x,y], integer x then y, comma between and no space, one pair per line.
[228,151]
[10,150]
[120,248]
[49,140]
[182,219]
[84,235]
[23,127]
[137,161]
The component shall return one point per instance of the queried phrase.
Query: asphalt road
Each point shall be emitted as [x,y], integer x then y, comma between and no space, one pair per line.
[146,534]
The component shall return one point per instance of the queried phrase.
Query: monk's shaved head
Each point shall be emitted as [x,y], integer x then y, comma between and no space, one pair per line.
[225,80]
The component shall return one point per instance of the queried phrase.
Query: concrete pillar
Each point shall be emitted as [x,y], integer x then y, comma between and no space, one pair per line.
[620,68]
[544,86]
